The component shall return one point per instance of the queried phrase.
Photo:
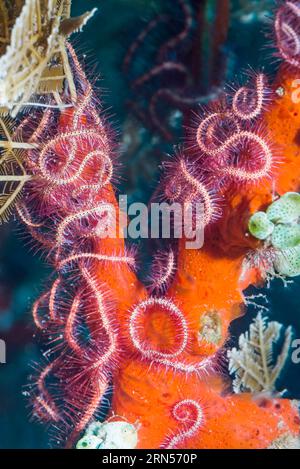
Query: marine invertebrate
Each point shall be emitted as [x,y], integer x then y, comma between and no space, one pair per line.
[171,86]
[181,183]
[287,32]
[260,226]
[286,209]
[247,103]
[286,263]
[279,228]
[286,441]
[224,152]
[210,328]
[213,278]
[162,270]
[70,183]
[182,412]
[253,364]
[171,358]
[113,434]
[13,175]
[230,421]
[232,150]
[34,60]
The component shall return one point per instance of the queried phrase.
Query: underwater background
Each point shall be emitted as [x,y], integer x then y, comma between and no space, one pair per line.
[220,54]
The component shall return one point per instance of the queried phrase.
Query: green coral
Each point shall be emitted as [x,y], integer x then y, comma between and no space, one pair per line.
[279,227]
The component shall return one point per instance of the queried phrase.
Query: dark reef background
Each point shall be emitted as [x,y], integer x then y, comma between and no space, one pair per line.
[105,40]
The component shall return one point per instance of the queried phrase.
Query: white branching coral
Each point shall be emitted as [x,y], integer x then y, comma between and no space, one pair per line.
[34,58]
[253,365]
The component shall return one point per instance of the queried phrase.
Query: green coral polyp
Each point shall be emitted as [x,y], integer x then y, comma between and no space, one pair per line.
[260,226]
